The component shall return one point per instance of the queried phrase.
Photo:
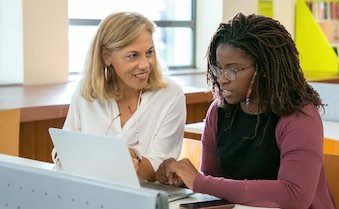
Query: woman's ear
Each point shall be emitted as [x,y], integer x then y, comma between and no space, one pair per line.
[105,55]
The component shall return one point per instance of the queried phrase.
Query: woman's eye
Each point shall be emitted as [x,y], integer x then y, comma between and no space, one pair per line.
[132,55]
[150,53]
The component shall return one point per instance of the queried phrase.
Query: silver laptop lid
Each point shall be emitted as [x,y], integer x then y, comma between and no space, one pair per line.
[96,156]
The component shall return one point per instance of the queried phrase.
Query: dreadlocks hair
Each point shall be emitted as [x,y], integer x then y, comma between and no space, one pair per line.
[280,85]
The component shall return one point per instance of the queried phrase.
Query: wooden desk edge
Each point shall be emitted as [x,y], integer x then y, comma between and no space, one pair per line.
[43,112]
[38,113]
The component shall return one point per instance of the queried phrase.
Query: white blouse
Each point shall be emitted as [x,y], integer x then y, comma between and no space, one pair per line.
[155,129]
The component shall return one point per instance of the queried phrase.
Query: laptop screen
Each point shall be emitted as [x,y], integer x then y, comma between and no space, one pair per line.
[96,156]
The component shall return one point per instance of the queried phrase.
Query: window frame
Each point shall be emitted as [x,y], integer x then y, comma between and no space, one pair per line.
[160,23]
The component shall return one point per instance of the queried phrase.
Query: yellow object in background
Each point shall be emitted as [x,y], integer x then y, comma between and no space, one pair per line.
[317,56]
[265,7]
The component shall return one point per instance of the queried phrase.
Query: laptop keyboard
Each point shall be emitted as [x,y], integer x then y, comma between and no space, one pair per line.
[173,192]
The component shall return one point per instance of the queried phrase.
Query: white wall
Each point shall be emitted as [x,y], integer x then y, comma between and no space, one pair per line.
[45,41]
[284,11]
[233,7]
[11,44]
[33,40]
[209,15]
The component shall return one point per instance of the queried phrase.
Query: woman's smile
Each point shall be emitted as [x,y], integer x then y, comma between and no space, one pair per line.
[142,75]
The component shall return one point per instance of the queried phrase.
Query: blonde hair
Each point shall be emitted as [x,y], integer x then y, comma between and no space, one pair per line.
[115,32]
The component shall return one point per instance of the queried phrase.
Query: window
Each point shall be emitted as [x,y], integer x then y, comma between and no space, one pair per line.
[174,38]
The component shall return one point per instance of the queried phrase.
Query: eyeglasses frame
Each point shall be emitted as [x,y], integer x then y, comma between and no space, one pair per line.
[217,70]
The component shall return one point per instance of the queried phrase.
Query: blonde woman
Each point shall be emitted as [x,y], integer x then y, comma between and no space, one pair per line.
[124,93]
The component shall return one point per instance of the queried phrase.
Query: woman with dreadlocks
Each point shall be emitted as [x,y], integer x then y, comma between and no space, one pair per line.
[263,139]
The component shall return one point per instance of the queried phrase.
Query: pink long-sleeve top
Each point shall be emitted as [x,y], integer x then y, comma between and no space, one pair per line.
[301,181]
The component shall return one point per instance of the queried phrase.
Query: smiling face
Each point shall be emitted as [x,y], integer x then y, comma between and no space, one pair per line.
[133,64]
[229,57]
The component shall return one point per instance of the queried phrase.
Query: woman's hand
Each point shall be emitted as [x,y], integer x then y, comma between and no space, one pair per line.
[183,170]
[160,174]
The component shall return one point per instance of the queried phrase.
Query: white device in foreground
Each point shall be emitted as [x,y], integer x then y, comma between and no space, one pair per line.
[25,183]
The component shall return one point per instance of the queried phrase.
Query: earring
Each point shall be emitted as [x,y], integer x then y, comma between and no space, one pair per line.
[249,91]
[106,74]
[247,102]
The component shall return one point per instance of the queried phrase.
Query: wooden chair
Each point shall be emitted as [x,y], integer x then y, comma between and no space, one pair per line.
[191,149]
[331,165]
[9,128]
[331,146]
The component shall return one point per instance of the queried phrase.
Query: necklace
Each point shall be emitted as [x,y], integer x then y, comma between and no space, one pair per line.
[138,104]
[117,116]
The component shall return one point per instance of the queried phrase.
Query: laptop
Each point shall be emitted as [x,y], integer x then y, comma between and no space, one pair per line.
[103,158]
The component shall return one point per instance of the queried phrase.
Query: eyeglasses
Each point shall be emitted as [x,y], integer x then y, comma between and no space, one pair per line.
[229,72]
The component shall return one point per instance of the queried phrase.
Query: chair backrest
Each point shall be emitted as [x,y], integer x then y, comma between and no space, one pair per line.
[331,146]
[331,164]
[191,149]
[9,127]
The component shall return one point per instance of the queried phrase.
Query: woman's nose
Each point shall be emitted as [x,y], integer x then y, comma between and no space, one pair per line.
[222,79]
[144,63]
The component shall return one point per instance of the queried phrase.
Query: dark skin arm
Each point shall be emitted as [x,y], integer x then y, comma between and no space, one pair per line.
[182,170]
